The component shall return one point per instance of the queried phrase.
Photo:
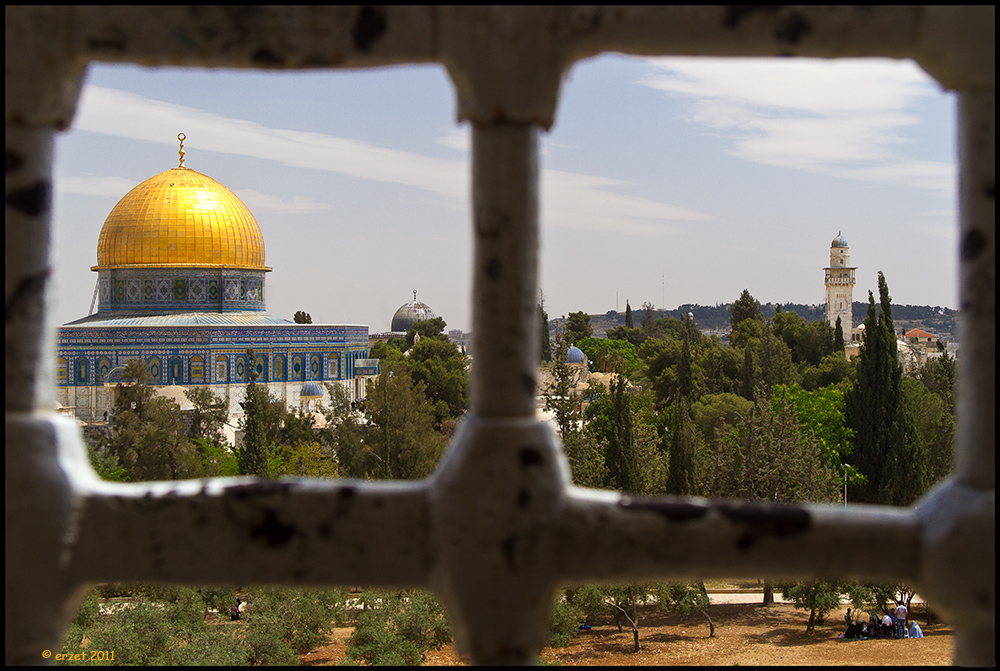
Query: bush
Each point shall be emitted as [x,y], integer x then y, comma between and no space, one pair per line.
[397,628]
[563,621]
[284,623]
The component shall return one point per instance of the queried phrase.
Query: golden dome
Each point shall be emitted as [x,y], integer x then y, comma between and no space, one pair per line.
[180,218]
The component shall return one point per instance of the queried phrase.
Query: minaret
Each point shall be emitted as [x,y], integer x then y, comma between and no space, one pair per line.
[840,286]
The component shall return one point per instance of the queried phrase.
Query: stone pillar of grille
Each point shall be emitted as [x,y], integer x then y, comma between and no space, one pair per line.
[498,526]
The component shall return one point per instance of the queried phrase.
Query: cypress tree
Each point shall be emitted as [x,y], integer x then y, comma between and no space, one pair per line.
[546,344]
[680,456]
[838,337]
[251,457]
[623,466]
[628,316]
[888,450]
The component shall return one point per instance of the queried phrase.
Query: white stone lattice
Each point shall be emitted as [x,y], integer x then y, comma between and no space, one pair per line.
[498,526]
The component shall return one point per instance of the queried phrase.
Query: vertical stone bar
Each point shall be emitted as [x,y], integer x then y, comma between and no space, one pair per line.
[28,359]
[38,596]
[505,218]
[975,460]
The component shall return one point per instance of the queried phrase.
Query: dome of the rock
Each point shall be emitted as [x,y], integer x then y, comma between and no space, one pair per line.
[180,218]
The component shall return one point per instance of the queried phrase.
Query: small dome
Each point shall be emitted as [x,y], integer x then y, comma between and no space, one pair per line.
[575,355]
[839,241]
[410,313]
[311,390]
[180,218]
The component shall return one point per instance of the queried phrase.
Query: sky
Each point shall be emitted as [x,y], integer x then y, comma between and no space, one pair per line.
[664,180]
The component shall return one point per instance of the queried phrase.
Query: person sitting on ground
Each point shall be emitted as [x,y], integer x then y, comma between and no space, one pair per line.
[915,631]
[853,630]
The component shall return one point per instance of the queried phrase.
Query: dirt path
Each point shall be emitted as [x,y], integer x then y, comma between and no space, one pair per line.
[746,634]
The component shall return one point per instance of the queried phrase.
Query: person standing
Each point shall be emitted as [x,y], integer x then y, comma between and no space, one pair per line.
[901,614]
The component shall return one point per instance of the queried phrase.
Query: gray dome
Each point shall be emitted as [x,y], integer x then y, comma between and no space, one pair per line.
[311,390]
[575,355]
[406,315]
[839,241]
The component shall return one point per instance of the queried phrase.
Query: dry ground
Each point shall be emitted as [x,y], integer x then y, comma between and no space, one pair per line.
[745,634]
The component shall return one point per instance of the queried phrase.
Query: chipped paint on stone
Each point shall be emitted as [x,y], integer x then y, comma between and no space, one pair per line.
[498,526]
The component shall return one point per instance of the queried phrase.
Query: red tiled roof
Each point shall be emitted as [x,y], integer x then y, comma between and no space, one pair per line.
[917,333]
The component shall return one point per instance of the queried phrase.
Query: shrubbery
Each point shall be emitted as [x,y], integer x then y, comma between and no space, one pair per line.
[166,625]
[397,628]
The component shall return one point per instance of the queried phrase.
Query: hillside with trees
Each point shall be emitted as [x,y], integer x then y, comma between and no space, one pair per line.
[941,321]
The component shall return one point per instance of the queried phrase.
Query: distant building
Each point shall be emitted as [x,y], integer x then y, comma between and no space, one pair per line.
[180,267]
[840,287]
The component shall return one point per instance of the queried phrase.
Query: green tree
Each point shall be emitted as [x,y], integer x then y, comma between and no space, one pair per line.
[209,415]
[649,323]
[105,464]
[621,456]
[559,395]
[819,597]
[628,316]
[302,317]
[838,336]
[147,437]
[611,356]
[635,336]
[935,424]
[745,307]
[821,415]
[681,471]
[767,457]
[283,623]
[252,456]
[543,329]
[888,450]
[586,459]
[443,368]
[563,620]
[578,327]
[401,443]
[684,598]
[397,628]
[426,328]
[345,432]
[714,413]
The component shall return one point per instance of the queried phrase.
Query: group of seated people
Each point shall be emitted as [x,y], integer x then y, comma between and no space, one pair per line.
[890,625]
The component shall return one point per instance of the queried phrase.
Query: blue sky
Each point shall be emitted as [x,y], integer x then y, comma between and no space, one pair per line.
[671,181]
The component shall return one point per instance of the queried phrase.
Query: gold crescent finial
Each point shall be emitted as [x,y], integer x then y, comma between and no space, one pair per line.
[181,137]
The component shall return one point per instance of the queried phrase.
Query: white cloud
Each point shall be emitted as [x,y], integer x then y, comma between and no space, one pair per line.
[111,187]
[569,200]
[459,138]
[837,117]
[265,202]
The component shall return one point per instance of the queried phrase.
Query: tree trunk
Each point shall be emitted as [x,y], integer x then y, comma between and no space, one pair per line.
[768,593]
[711,625]
[635,620]
[811,625]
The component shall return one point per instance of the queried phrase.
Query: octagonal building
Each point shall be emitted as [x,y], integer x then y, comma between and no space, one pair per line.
[181,286]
